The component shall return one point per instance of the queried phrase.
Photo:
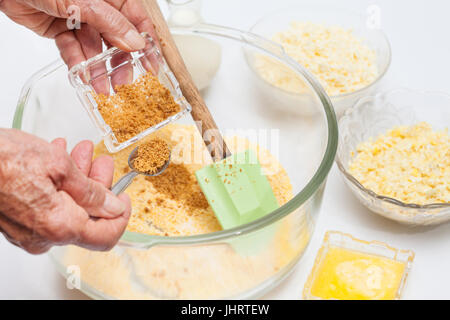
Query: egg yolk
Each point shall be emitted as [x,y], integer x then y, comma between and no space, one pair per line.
[351,275]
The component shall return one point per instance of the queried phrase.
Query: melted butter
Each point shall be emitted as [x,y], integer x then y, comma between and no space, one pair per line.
[351,275]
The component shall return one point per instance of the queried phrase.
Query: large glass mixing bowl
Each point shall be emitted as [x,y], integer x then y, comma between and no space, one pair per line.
[243,262]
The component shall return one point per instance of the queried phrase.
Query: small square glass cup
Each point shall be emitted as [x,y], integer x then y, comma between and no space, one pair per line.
[347,241]
[102,73]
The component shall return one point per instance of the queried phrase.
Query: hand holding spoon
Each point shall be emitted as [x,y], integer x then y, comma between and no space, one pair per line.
[126,180]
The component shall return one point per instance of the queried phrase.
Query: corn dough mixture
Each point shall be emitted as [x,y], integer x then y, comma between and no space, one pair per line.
[341,61]
[408,163]
[172,204]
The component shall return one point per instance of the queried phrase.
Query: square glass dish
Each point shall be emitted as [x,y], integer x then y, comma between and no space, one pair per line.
[347,268]
[102,74]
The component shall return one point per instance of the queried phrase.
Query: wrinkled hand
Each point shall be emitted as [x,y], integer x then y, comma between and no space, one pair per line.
[118,22]
[48,197]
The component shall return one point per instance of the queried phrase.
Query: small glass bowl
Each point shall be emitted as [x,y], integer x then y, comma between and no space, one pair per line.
[374,38]
[103,72]
[374,115]
[347,241]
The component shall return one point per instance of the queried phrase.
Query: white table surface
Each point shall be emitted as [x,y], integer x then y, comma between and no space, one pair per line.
[418,31]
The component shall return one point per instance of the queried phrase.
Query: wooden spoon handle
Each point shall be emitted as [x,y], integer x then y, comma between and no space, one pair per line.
[200,113]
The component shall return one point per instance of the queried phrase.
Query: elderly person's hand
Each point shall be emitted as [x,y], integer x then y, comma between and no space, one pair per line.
[48,197]
[118,22]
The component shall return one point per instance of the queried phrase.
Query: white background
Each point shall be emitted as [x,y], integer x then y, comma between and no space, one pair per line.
[418,31]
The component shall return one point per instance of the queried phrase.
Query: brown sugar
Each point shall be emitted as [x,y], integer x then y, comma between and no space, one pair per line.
[136,107]
[177,183]
[151,156]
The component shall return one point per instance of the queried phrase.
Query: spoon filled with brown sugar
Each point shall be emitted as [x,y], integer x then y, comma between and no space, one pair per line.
[150,158]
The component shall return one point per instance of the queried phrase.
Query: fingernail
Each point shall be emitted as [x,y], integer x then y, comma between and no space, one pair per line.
[134,40]
[113,204]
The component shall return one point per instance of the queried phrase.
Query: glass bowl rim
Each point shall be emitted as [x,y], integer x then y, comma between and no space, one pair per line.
[381,33]
[137,240]
[371,193]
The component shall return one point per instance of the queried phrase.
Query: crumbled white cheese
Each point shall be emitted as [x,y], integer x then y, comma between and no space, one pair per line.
[339,59]
[411,164]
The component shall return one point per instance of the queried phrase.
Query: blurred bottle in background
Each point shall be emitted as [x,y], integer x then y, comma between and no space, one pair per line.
[201,55]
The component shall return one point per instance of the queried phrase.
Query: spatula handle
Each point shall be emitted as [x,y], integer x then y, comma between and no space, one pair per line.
[200,113]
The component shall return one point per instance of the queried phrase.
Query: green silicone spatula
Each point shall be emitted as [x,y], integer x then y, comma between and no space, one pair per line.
[234,185]
[237,189]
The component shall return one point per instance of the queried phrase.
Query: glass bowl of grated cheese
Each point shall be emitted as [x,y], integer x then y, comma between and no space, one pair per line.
[345,51]
[394,154]
[174,246]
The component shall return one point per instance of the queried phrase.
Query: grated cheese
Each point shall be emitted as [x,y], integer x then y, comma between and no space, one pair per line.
[340,60]
[408,163]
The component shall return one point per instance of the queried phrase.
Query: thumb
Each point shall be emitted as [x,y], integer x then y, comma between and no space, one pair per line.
[91,195]
[112,24]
